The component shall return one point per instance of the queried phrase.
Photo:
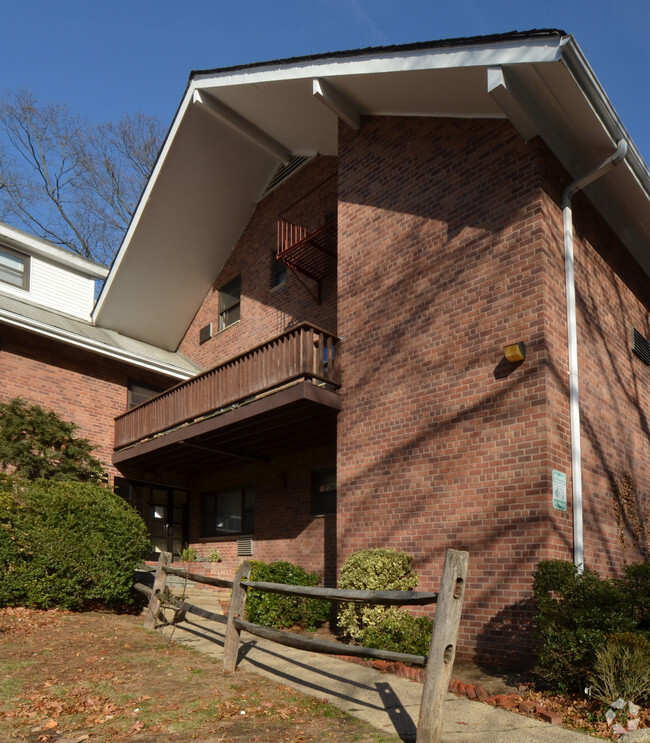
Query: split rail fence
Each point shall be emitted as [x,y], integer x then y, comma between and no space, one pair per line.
[438,663]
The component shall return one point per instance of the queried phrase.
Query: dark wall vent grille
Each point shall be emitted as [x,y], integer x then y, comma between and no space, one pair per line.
[205,333]
[284,171]
[640,346]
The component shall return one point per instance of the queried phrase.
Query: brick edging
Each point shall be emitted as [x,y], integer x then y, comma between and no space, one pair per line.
[512,702]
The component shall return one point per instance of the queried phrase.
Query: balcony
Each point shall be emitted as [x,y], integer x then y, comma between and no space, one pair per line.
[307,236]
[303,355]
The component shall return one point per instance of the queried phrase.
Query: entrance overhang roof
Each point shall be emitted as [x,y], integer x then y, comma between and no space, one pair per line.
[235,126]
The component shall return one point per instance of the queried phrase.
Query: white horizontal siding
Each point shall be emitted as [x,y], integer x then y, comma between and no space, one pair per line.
[57,288]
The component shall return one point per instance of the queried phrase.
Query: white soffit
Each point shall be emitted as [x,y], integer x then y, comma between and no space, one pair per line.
[210,174]
[196,207]
[579,126]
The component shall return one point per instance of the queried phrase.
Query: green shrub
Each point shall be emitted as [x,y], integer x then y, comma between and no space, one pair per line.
[636,586]
[284,612]
[372,570]
[67,544]
[189,554]
[399,632]
[622,669]
[214,556]
[574,613]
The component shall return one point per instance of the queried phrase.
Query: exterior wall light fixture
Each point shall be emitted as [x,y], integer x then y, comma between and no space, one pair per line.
[515,352]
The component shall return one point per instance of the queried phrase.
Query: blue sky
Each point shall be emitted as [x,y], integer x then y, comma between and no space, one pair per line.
[107,57]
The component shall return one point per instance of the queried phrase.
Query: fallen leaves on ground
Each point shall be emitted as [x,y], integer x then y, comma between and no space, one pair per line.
[582,713]
[69,677]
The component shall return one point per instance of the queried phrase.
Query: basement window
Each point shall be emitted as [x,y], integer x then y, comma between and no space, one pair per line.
[229,303]
[228,512]
[14,268]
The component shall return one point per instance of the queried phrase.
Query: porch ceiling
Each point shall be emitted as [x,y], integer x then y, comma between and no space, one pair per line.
[300,417]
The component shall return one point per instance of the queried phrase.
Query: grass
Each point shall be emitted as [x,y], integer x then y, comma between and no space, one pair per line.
[102,675]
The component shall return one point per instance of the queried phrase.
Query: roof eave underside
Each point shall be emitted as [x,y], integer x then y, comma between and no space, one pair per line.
[234,127]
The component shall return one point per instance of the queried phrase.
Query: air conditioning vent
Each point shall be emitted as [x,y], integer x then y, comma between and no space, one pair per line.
[640,346]
[245,547]
[205,333]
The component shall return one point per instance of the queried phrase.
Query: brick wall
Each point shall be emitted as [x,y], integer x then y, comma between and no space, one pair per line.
[284,526]
[82,387]
[613,295]
[450,247]
[443,251]
[266,311]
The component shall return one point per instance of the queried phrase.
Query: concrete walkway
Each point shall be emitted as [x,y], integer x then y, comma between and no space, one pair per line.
[385,701]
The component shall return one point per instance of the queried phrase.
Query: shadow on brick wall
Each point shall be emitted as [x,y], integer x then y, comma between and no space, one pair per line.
[506,642]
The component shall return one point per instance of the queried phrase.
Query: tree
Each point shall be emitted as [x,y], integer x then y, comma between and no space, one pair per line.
[36,443]
[71,182]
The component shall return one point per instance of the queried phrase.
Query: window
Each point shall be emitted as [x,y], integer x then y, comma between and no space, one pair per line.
[14,268]
[278,271]
[228,512]
[323,499]
[138,393]
[229,302]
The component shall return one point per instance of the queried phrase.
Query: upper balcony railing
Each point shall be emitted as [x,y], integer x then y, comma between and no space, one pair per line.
[303,353]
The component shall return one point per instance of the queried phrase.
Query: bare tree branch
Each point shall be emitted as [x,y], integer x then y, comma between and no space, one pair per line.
[70,182]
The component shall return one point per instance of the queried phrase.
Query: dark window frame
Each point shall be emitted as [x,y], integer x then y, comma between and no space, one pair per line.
[145,388]
[323,491]
[246,512]
[230,303]
[279,271]
[26,259]
[132,492]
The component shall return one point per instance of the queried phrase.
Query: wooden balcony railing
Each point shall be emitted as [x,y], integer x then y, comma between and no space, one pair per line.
[303,353]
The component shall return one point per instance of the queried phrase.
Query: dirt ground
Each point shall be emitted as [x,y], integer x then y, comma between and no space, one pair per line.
[67,678]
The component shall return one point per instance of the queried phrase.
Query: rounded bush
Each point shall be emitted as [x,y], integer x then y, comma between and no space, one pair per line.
[284,612]
[399,632]
[372,570]
[67,545]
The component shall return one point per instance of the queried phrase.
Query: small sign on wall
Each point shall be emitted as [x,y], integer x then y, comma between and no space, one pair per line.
[559,490]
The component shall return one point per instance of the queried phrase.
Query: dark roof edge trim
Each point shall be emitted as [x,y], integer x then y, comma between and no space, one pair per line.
[414,46]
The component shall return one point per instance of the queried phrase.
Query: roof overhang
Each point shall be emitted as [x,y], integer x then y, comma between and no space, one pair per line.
[161,363]
[300,416]
[234,127]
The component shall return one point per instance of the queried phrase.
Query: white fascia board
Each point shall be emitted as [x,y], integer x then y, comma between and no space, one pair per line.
[185,103]
[482,55]
[9,318]
[585,77]
[23,241]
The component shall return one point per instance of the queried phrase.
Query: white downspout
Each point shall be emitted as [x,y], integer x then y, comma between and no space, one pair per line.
[572,333]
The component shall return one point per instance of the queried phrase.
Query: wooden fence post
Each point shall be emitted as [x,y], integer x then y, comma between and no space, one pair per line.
[237,604]
[160,578]
[443,647]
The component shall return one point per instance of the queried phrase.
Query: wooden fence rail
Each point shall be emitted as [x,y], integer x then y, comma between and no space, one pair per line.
[442,648]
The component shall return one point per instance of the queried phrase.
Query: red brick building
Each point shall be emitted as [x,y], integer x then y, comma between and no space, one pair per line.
[346,244]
